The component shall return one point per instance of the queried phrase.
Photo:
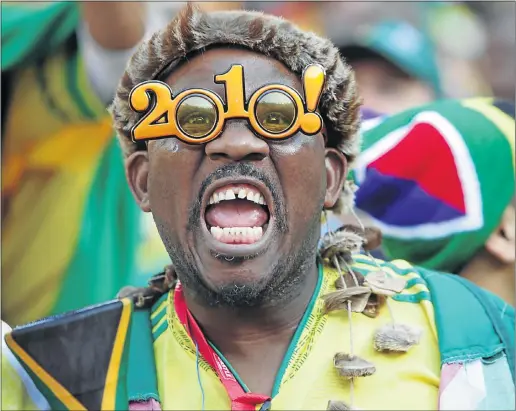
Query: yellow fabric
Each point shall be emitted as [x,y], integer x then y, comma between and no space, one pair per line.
[50,151]
[408,381]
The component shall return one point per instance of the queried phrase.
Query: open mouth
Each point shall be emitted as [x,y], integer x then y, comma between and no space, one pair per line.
[237,213]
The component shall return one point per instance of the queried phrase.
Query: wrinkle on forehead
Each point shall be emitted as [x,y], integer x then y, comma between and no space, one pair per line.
[259,70]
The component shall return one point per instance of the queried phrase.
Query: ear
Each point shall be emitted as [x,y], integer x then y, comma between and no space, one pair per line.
[137,172]
[501,242]
[336,171]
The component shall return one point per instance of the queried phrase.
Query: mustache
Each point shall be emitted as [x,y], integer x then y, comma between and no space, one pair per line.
[240,170]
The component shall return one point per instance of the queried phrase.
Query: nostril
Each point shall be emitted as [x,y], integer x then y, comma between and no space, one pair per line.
[248,157]
[218,156]
[254,157]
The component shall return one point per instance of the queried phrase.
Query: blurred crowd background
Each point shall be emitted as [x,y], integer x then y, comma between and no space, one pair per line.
[71,234]
[472,42]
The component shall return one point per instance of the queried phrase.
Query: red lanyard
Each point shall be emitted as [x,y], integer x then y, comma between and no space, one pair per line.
[240,400]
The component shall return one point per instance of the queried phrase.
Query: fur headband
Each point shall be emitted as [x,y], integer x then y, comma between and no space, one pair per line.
[193,30]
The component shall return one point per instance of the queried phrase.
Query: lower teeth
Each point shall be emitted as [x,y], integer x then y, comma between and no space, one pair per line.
[237,235]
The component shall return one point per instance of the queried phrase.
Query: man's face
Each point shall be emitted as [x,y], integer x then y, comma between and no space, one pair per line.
[385,89]
[239,215]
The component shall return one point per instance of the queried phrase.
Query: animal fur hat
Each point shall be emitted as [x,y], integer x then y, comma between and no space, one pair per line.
[194,30]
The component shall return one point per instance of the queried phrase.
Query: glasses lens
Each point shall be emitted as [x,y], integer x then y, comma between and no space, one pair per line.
[196,116]
[275,112]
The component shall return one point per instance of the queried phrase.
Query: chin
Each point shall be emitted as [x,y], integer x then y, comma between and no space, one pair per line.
[246,279]
[241,285]
[226,270]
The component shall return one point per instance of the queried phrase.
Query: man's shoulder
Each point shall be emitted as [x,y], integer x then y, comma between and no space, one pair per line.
[454,302]
[445,286]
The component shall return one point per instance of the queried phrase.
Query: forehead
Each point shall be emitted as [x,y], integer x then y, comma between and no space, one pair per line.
[259,70]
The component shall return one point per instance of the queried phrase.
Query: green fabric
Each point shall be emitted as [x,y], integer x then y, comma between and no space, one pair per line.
[142,383]
[104,260]
[501,319]
[158,317]
[72,83]
[156,333]
[466,330]
[160,330]
[492,157]
[404,46]
[30,32]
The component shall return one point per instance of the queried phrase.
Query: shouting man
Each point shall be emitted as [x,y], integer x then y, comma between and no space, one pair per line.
[238,130]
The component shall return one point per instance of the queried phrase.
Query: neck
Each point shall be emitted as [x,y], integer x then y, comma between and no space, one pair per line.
[255,340]
[235,330]
[487,272]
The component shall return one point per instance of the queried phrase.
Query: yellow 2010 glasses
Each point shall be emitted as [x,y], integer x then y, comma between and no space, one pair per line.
[197,116]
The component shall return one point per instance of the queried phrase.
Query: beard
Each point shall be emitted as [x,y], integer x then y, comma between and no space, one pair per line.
[284,279]
[283,282]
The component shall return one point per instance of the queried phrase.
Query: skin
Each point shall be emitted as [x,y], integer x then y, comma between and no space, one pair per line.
[121,25]
[493,267]
[115,25]
[248,307]
[386,89]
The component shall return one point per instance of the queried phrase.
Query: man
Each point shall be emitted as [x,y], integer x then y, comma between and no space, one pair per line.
[236,171]
[395,66]
[439,182]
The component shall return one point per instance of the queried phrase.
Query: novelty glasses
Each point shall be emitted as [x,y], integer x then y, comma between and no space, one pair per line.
[197,116]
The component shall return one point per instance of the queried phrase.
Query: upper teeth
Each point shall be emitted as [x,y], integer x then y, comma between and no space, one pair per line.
[232,193]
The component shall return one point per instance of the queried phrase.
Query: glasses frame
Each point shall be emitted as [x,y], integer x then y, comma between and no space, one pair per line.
[154,99]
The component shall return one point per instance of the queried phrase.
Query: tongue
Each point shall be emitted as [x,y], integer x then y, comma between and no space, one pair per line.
[236,213]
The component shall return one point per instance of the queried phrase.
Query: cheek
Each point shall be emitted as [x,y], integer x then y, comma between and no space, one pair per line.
[419,93]
[170,188]
[302,174]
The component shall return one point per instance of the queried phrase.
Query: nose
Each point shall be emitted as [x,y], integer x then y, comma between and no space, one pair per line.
[237,143]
